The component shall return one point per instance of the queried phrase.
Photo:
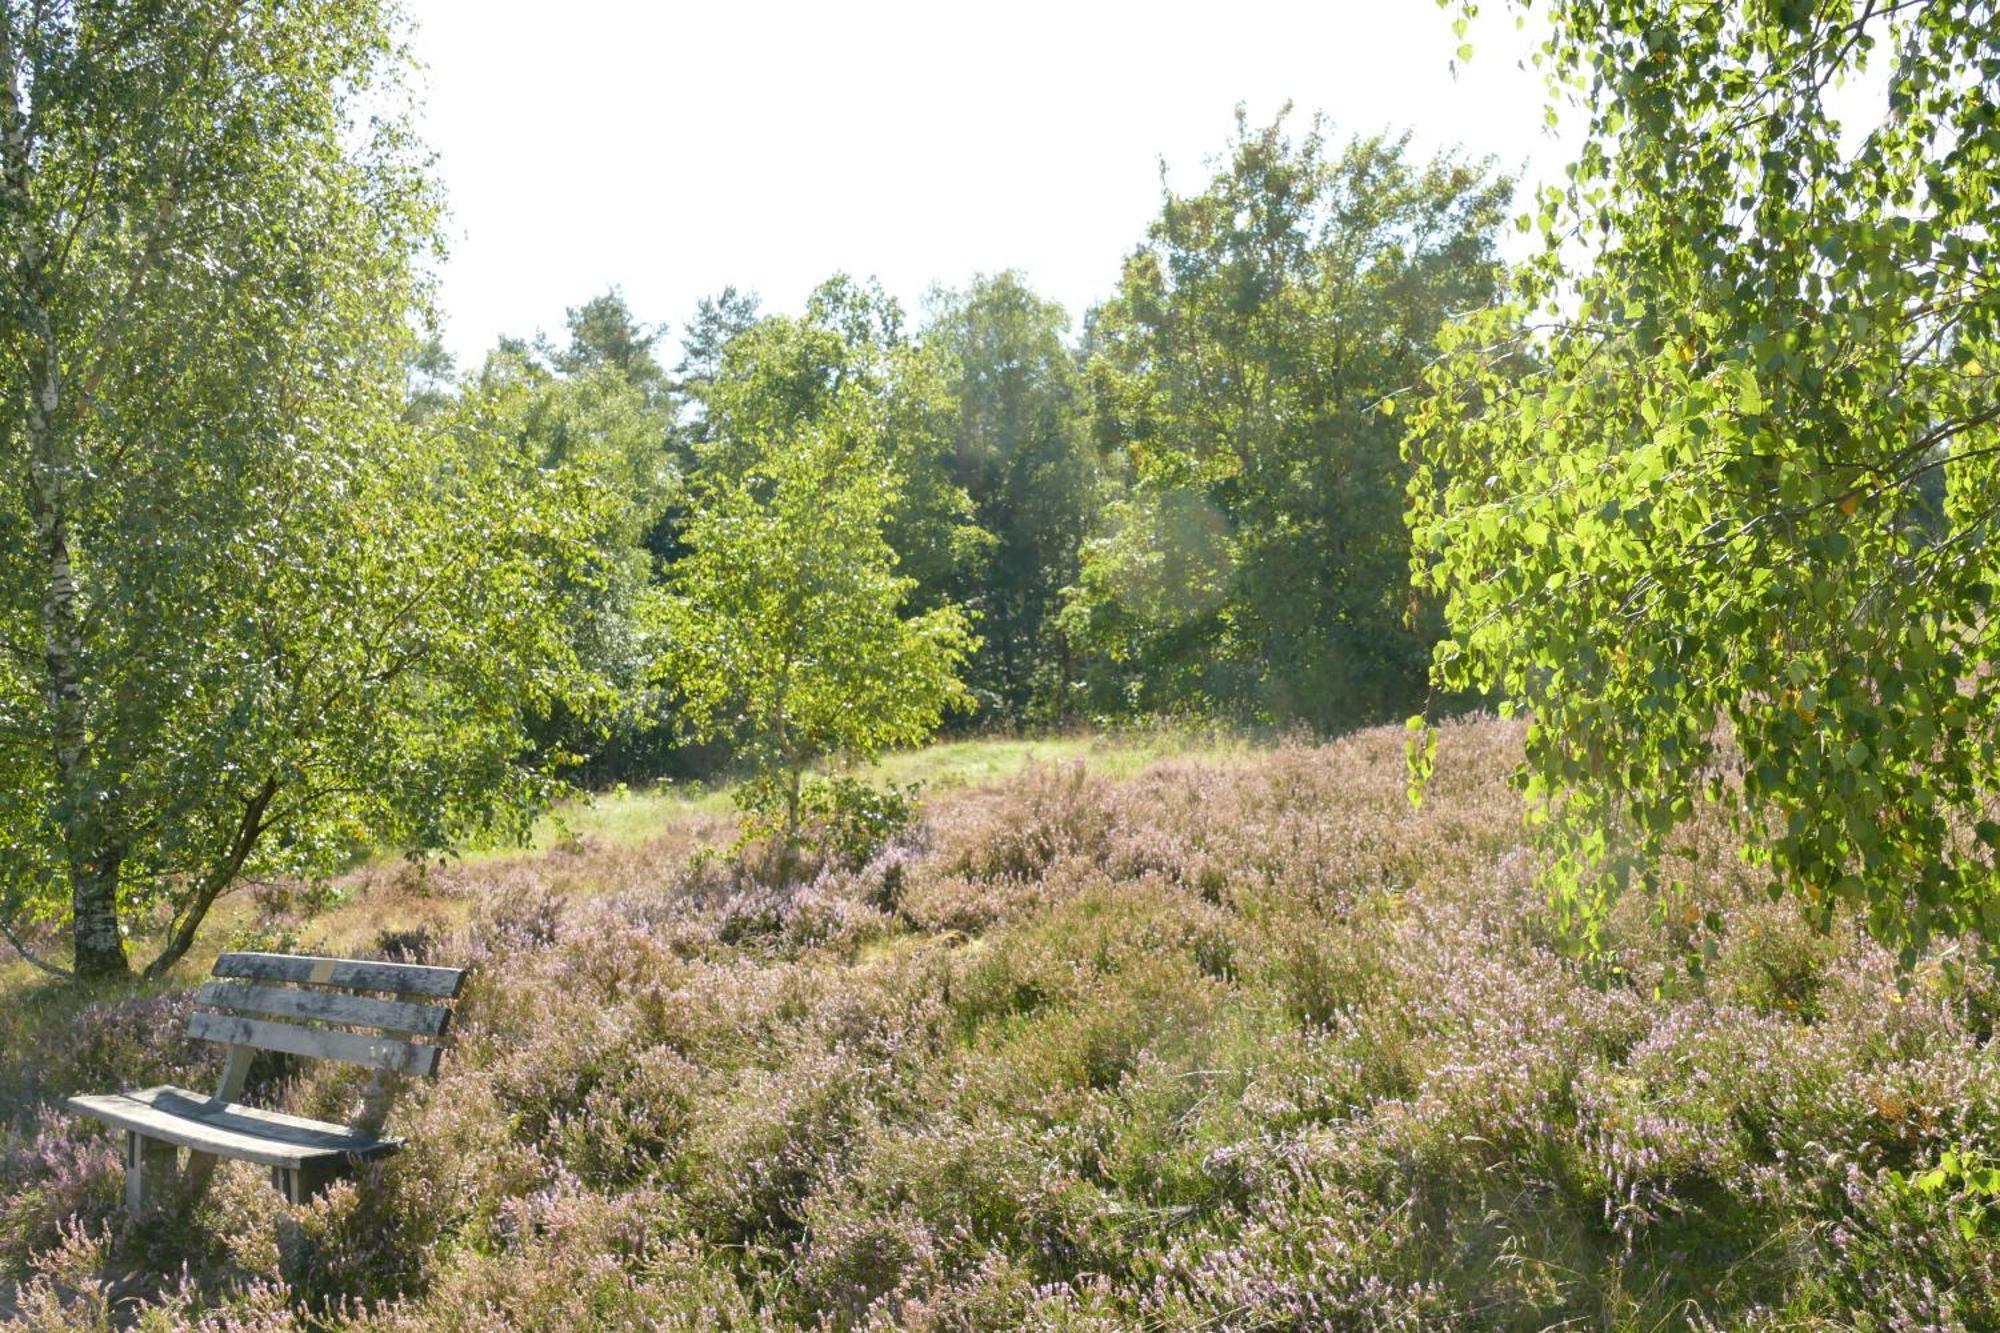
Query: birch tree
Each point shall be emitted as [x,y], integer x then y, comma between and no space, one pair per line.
[250,617]
[1713,495]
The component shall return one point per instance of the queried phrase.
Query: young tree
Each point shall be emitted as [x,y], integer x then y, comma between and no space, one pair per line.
[250,611]
[1237,374]
[1713,497]
[783,626]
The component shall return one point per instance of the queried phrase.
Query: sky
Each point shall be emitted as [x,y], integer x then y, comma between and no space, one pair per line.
[671,149]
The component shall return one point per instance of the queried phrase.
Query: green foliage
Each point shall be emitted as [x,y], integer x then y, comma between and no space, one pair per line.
[1258,566]
[717,319]
[843,821]
[1965,1185]
[782,628]
[1022,454]
[1151,588]
[601,409]
[780,374]
[1712,496]
[603,335]
[252,612]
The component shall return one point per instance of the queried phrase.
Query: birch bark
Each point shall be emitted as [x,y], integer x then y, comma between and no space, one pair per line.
[84,809]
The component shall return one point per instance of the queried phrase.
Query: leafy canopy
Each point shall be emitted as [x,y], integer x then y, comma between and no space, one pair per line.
[847,353]
[598,413]
[1712,496]
[1022,455]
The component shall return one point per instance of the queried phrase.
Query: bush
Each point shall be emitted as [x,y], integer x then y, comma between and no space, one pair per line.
[843,823]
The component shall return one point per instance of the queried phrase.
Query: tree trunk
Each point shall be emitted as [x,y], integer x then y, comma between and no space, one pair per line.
[82,809]
[1063,669]
[788,847]
[100,949]
[94,855]
[797,781]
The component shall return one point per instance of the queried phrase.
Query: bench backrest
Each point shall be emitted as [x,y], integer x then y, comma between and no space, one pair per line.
[319,1007]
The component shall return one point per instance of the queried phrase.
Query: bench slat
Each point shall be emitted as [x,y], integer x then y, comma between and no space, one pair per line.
[245,1133]
[401,1057]
[422,1020]
[352,973]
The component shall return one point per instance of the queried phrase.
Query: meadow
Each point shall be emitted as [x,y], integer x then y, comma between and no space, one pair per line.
[1114,1036]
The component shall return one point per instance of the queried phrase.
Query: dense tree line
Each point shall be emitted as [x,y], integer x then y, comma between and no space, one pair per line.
[1191,505]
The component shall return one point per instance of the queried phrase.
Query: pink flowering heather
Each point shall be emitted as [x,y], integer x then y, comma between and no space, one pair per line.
[1240,1045]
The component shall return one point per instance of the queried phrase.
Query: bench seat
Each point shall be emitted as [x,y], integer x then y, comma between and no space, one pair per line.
[227,1129]
[320,1008]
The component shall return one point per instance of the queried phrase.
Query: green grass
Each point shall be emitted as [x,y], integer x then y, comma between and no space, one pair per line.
[1116,754]
[628,816]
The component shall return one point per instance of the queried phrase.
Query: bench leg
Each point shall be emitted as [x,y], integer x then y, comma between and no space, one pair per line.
[195,1175]
[149,1172]
[235,1072]
[301,1184]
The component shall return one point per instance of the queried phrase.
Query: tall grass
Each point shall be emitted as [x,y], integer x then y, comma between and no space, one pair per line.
[1242,1044]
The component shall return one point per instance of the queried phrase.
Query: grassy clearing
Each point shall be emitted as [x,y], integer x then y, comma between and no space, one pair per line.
[1234,1041]
[632,816]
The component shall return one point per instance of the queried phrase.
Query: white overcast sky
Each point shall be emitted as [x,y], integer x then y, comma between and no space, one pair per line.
[674,148]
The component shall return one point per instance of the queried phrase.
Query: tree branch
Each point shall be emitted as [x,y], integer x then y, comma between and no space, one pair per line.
[7,929]
[249,829]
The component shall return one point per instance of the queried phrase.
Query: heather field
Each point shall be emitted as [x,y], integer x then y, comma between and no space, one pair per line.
[1220,1041]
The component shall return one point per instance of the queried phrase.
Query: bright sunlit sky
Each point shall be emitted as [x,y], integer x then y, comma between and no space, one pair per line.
[675,148]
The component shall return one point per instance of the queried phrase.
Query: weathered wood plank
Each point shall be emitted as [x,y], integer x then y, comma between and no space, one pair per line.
[423,1020]
[352,973]
[402,1057]
[171,1115]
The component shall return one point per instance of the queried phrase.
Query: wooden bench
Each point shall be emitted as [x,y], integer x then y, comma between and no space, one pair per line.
[333,1020]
